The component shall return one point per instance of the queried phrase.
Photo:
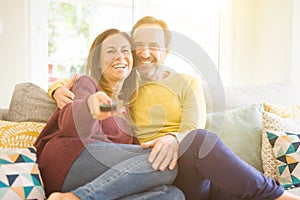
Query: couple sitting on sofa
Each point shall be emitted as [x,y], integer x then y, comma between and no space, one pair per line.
[78,151]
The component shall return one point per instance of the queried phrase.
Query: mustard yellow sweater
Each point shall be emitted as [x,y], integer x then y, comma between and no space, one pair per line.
[174,105]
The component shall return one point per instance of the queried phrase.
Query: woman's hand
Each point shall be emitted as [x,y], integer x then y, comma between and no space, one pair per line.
[94,102]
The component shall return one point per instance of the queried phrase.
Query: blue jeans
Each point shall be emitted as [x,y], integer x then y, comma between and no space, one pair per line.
[118,171]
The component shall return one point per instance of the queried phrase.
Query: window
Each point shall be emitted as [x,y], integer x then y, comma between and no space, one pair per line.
[73,25]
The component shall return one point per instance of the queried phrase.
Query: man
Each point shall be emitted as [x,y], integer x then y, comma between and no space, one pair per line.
[166,107]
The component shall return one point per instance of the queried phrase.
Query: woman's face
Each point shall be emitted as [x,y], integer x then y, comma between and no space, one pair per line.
[116,58]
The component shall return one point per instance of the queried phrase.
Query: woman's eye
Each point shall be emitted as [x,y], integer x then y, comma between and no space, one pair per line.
[110,51]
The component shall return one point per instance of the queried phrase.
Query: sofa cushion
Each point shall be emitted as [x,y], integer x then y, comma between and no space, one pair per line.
[19,175]
[272,122]
[240,129]
[19,134]
[285,111]
[286,149]
[30,103]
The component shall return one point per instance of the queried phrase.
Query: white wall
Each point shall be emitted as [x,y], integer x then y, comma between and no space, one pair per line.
[261,43]
[296,43]
[263,39]
[274,26]
[13,47]
[20,42]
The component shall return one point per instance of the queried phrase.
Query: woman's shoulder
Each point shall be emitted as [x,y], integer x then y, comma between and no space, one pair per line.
[85,79]
[85,82]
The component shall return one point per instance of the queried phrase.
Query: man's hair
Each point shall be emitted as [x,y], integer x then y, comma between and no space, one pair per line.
[153,20]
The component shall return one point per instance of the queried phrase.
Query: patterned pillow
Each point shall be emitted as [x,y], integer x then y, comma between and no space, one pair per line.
[19,135]
[272,122]
[284,111]
[19,175]
[285,146]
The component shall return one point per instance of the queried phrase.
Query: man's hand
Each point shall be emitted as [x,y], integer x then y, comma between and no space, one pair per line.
[63,95]
[164,152]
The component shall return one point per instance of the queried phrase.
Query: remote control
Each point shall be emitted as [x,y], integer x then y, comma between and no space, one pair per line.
[107,108]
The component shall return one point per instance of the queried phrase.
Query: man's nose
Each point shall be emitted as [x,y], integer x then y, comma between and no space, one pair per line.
[145,52]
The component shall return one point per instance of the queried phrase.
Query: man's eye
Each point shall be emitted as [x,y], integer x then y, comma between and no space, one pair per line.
[138,46]
[154,47]
[126,50]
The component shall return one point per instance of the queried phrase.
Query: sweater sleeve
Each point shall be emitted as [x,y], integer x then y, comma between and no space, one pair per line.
[193,108]
[75,117]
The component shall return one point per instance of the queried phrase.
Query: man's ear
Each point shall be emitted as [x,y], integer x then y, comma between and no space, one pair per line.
[166,52]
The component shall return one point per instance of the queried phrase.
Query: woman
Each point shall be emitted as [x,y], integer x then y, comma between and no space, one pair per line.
[77,150]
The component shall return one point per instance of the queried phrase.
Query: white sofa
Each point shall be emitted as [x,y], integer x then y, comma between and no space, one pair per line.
[238,123]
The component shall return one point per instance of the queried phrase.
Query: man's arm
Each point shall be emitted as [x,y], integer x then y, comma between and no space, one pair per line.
[60,91]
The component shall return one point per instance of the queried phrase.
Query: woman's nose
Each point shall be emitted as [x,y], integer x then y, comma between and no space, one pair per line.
[121,56]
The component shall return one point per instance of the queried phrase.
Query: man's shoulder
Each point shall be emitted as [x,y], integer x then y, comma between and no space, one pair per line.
[184,76]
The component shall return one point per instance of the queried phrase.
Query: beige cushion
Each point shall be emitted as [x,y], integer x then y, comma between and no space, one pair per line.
[30,103]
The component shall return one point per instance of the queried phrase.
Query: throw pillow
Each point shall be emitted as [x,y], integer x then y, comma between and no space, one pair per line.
[272,122]
[19,175]
[240,130]
[285,146]
[30,103]
[19,135]
[284,111]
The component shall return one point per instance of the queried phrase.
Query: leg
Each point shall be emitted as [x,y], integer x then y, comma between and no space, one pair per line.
[165,192]
[104,170]
[204,156]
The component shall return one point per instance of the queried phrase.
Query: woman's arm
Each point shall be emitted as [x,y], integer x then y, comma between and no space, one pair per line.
[75,118]
[83,117]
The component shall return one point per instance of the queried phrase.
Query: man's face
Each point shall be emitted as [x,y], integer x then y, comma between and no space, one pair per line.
[149,45]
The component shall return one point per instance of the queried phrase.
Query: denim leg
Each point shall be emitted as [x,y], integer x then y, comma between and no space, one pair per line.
[165,192]
[204,157]
[111,171]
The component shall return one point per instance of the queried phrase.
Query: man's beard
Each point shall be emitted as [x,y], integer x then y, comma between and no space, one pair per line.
[154,74]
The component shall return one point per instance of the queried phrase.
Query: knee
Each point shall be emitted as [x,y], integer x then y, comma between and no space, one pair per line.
[175,193]
[199,142]
[199,136]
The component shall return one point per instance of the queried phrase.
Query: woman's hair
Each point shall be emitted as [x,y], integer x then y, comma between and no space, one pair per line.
[154,21]
[93,67]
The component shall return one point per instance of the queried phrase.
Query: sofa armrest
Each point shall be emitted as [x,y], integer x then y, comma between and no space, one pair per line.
[3,114]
